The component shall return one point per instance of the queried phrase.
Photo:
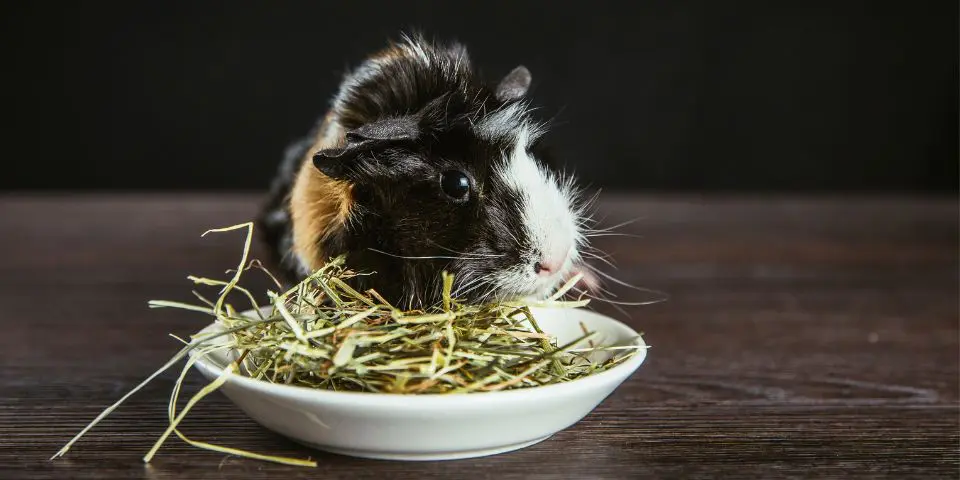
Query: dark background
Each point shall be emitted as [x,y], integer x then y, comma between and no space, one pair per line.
[661,96]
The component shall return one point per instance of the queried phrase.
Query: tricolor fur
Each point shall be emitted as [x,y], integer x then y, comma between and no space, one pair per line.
[366,182]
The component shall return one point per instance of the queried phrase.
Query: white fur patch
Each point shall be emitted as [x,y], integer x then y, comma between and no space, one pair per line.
[507,121]
[547,216]
[500,123]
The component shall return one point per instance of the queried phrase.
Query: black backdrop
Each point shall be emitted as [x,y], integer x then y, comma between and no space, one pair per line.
[655,95]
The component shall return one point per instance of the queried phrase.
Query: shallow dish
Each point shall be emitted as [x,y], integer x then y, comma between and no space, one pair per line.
[434,427]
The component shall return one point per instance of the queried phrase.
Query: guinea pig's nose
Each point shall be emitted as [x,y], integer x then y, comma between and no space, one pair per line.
[550,264]
[546,267]
[540,269]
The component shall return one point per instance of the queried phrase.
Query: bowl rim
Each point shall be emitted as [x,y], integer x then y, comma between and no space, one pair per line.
[617,374]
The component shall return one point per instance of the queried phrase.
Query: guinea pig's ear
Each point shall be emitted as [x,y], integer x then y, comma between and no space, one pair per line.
[339,162]
[515,85]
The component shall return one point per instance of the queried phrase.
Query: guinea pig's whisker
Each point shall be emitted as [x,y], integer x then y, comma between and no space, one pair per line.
[410,302]
[611,234]
[602,299]
[514,237]
[595,256]
[467,254]
[469,283]
[605,290]
[615,302]
[490,291]
[592,200]
[462,294]
[472,285]
[437,257]
[613,227]
[596,251]
[625,284]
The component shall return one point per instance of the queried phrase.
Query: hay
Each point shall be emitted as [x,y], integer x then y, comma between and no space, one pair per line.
[324,334]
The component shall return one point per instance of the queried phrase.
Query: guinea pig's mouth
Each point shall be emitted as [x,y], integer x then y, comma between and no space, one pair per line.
[520,281]
[505,289]
[538,288]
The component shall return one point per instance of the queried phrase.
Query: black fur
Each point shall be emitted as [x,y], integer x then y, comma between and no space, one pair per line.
[406,124]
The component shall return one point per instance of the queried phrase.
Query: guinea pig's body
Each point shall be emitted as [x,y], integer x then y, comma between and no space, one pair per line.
[419,167]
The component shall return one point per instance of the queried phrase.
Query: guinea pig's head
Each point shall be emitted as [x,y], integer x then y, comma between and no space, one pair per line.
[462,185]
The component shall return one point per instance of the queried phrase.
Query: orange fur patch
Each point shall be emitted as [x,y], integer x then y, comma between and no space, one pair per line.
[319,205]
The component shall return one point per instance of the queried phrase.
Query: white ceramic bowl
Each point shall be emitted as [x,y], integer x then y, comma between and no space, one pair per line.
[434,427]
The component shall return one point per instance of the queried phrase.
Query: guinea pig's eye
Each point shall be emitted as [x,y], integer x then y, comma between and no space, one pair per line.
[456,184]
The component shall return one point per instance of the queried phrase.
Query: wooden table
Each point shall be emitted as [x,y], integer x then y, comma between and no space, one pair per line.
[803,337]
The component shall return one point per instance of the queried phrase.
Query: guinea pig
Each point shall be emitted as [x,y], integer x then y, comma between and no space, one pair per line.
[419,167]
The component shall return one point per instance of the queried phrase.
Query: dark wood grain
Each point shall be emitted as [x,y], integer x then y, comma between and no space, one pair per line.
[802,338]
